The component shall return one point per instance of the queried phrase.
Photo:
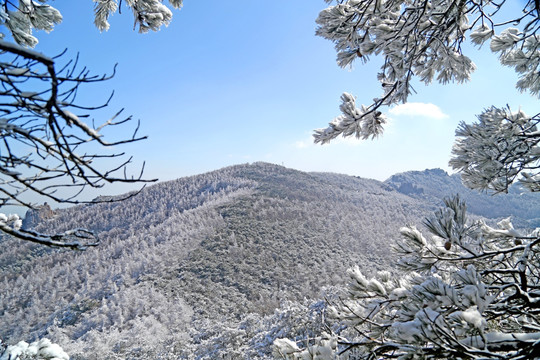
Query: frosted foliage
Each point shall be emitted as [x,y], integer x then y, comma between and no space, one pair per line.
[362,123]
[29,15]
[12,220]
[423,39]
[148,14]
[500,148]
[465,290]
[26,15]
[38,350]
[521,51]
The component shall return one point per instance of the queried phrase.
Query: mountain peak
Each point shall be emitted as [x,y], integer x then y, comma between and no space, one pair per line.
[434,185]
[415,173]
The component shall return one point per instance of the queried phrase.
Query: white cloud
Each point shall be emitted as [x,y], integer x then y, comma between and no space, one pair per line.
[302,144]
[418,109]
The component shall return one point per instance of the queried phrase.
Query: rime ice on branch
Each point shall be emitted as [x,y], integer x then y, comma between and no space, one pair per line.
[22,17]
[492,153]
[465,291]
[423,39]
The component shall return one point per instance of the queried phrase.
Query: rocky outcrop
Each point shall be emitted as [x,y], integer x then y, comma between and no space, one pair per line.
[34,216]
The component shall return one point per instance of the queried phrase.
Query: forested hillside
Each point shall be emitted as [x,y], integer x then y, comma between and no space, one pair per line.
[209,266]
[434,184]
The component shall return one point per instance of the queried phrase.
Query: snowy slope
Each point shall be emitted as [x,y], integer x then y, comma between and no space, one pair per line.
[196,267]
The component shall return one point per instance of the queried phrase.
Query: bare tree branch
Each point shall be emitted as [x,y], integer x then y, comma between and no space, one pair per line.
[45,148]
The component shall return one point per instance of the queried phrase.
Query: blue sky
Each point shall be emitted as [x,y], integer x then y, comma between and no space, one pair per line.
[244,81]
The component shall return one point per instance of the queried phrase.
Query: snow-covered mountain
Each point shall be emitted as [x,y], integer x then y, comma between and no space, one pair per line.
[434,184]
[209,266]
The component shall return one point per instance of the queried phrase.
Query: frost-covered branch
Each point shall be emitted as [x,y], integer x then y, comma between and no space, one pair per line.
[363,123]
[23,16]
[502,145]
[42,349]
[45,145]
[76,239]
[423,39]
[465,290]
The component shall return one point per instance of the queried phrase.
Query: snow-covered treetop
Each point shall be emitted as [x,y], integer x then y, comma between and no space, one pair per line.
[43,349]
[423,39]
[22,17]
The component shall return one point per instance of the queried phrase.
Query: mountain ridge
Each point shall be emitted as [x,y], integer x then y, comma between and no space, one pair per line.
[229,250]
[433,185]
